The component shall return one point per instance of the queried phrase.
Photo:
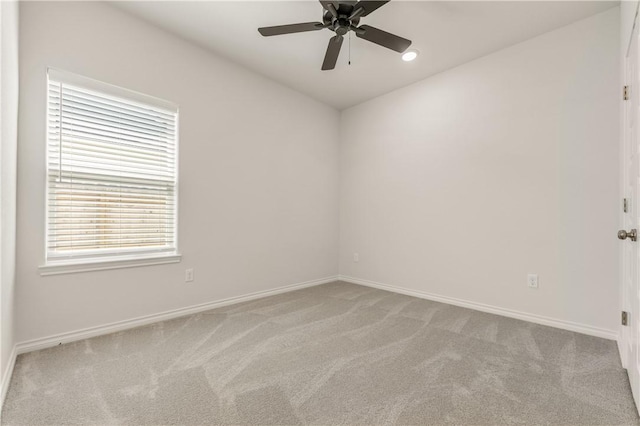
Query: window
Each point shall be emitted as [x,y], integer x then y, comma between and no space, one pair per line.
[111,173]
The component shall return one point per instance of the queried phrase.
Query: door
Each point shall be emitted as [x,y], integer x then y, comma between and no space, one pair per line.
[631,187]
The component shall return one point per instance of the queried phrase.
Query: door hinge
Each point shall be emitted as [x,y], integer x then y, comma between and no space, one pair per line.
[625,318]
[625,93]
[625,205]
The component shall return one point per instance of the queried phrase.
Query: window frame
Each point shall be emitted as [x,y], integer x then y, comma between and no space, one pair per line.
[94,260]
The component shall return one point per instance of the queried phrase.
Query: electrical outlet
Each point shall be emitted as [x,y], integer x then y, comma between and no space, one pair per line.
[356,257]
[532,280]
[188,275]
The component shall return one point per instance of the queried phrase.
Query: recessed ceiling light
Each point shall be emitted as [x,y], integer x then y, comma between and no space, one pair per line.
[409,55]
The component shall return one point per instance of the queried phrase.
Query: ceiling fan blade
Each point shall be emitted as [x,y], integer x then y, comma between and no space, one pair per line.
[291,28]
[333,50]
[383,38]
[332,6]
[367,7]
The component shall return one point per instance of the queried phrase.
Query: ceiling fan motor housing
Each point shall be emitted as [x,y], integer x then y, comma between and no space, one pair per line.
[340,25]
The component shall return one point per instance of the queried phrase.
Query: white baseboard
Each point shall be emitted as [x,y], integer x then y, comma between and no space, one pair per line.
[538,319]
[6,377]
[622,351]
[50,341]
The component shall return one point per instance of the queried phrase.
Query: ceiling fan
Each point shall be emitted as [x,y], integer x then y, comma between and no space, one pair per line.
[342,17]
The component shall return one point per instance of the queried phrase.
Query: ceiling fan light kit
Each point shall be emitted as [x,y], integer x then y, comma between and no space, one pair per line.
[410,55]
[342,17]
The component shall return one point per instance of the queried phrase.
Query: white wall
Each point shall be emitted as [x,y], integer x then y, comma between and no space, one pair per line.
[462,184]
[258,172]
[458,185]
[8,147]
[627,14]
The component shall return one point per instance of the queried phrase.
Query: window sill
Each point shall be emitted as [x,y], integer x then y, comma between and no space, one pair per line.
[72,267]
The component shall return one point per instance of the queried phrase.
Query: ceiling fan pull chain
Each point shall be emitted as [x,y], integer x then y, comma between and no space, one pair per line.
[349,48]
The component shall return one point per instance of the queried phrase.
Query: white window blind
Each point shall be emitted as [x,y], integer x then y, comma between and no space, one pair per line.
[111,174]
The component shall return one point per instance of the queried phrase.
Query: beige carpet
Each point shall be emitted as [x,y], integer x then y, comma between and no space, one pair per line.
[333,354]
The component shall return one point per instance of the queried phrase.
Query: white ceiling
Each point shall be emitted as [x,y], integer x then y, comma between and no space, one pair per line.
[446,34]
